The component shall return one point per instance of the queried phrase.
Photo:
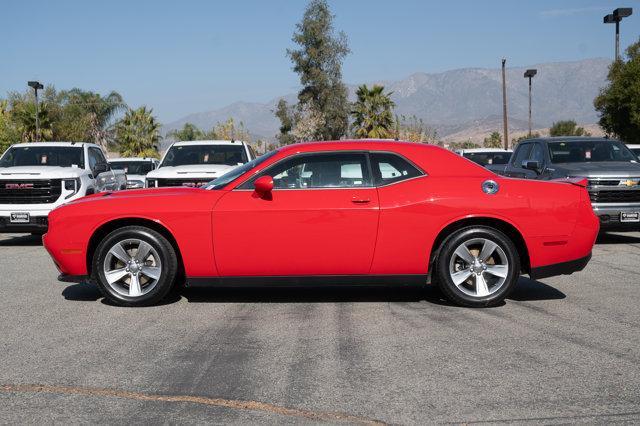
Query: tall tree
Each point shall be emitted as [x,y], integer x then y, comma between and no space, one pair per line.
[286,115]
[414,129]
[619,102]
[318,62]
[494,140]
[138,133]
[189,132]
[372,113]
[567,128]
[88,115]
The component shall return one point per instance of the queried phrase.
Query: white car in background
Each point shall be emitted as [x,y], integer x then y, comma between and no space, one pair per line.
[486,156]
[196,163]
[135,168]
[37,177]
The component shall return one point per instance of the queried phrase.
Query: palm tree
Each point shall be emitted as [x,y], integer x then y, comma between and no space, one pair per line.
[96,110]
[138,133]
[24,115]
[373,113]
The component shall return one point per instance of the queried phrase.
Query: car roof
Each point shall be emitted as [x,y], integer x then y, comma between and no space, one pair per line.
[633,145]
[472,150]
[571,139]
[208,142]
[24,144]
[133,159]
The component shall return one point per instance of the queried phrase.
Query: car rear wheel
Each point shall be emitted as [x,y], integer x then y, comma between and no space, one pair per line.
[477,267]
[135,266]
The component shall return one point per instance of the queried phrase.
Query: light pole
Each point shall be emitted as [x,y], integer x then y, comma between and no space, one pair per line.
[504,105]
[36,85]
[615,18]
[529,74]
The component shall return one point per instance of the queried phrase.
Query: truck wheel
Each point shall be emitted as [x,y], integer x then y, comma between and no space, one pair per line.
[135,266]
[478,266]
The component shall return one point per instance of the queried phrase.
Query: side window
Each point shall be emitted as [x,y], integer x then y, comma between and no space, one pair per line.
[389,168]
[93,158]
[521,154]
[346,170]
[537,154]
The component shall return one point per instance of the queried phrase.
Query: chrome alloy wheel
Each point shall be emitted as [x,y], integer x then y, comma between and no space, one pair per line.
[479,267]
[132,267]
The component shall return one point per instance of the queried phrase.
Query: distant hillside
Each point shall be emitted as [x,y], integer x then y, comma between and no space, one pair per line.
[458,100]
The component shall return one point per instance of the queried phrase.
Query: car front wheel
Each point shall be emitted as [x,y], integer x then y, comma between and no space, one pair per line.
[135,266]
[477,267]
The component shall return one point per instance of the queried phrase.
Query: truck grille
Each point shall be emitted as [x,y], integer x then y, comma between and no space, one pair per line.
[191,183]
[613,196]
[30,191]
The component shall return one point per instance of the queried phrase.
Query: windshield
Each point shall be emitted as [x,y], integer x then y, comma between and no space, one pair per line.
[232,175]
[132,167]
[485,158]
[636,151]
[61,156]
[589,152]
[183,155]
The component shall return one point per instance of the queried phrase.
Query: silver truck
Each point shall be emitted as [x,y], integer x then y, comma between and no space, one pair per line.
[35,178]
[611,168]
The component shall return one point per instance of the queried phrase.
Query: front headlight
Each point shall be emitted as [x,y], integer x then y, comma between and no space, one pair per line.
[72,185]
[135,184]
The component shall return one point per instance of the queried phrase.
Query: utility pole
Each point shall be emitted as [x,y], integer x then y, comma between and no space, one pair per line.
[615,18]
[36,85]
[529,74]
[504,105]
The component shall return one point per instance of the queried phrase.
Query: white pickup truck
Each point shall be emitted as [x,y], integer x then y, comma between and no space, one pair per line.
[196,163]
[37,177]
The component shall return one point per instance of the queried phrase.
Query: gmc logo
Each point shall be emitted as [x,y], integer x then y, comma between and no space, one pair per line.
[18,186]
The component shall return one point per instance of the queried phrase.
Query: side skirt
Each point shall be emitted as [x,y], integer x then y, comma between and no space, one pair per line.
[303,281]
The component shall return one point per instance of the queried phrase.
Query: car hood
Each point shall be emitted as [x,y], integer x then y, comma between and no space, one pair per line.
[196,170]
[40,172]
[600,169]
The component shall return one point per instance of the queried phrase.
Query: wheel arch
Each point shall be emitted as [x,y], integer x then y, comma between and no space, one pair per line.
[107,227]
[501,225]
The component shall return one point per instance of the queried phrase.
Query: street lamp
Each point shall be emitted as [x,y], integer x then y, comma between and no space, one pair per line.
[36,85]
[529,74]
[615,18]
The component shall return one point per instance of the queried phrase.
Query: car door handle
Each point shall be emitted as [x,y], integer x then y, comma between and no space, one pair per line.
[360,200]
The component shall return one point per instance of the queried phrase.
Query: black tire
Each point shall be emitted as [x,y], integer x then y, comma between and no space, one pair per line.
[457,294]
[164,250]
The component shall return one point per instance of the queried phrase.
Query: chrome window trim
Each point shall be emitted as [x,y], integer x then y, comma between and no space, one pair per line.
[367,153]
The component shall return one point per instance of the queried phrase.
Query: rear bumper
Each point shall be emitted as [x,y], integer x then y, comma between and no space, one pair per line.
[563,268]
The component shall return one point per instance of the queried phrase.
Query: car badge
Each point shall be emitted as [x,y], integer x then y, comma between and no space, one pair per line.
[630,182]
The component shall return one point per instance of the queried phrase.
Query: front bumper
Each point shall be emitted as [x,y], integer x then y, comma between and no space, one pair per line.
[563,268]
[609,216]
[37,224]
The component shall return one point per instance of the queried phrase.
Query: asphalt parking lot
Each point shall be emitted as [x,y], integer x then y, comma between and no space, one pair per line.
[564,350]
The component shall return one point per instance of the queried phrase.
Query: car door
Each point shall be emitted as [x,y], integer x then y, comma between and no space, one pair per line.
[321,218]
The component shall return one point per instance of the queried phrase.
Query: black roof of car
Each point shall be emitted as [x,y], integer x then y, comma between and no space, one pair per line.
[570,139]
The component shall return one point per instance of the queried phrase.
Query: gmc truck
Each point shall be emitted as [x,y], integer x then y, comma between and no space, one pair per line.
[612,170]
[37,177]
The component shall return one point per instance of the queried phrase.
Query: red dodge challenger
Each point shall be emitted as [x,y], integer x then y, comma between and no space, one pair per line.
[366,212]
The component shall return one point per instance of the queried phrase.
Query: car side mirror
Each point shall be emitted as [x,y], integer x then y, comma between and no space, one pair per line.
[532,165]
[263,185]
[101,168]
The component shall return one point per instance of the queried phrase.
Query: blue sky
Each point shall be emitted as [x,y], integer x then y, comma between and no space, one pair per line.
[187,56]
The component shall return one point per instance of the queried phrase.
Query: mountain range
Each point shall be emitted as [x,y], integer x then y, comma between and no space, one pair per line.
[456,102]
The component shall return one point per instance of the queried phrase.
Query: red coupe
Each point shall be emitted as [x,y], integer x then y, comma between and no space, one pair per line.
[366,212]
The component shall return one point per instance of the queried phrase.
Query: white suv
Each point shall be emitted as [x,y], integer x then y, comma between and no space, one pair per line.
[37,177]
[195,163]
